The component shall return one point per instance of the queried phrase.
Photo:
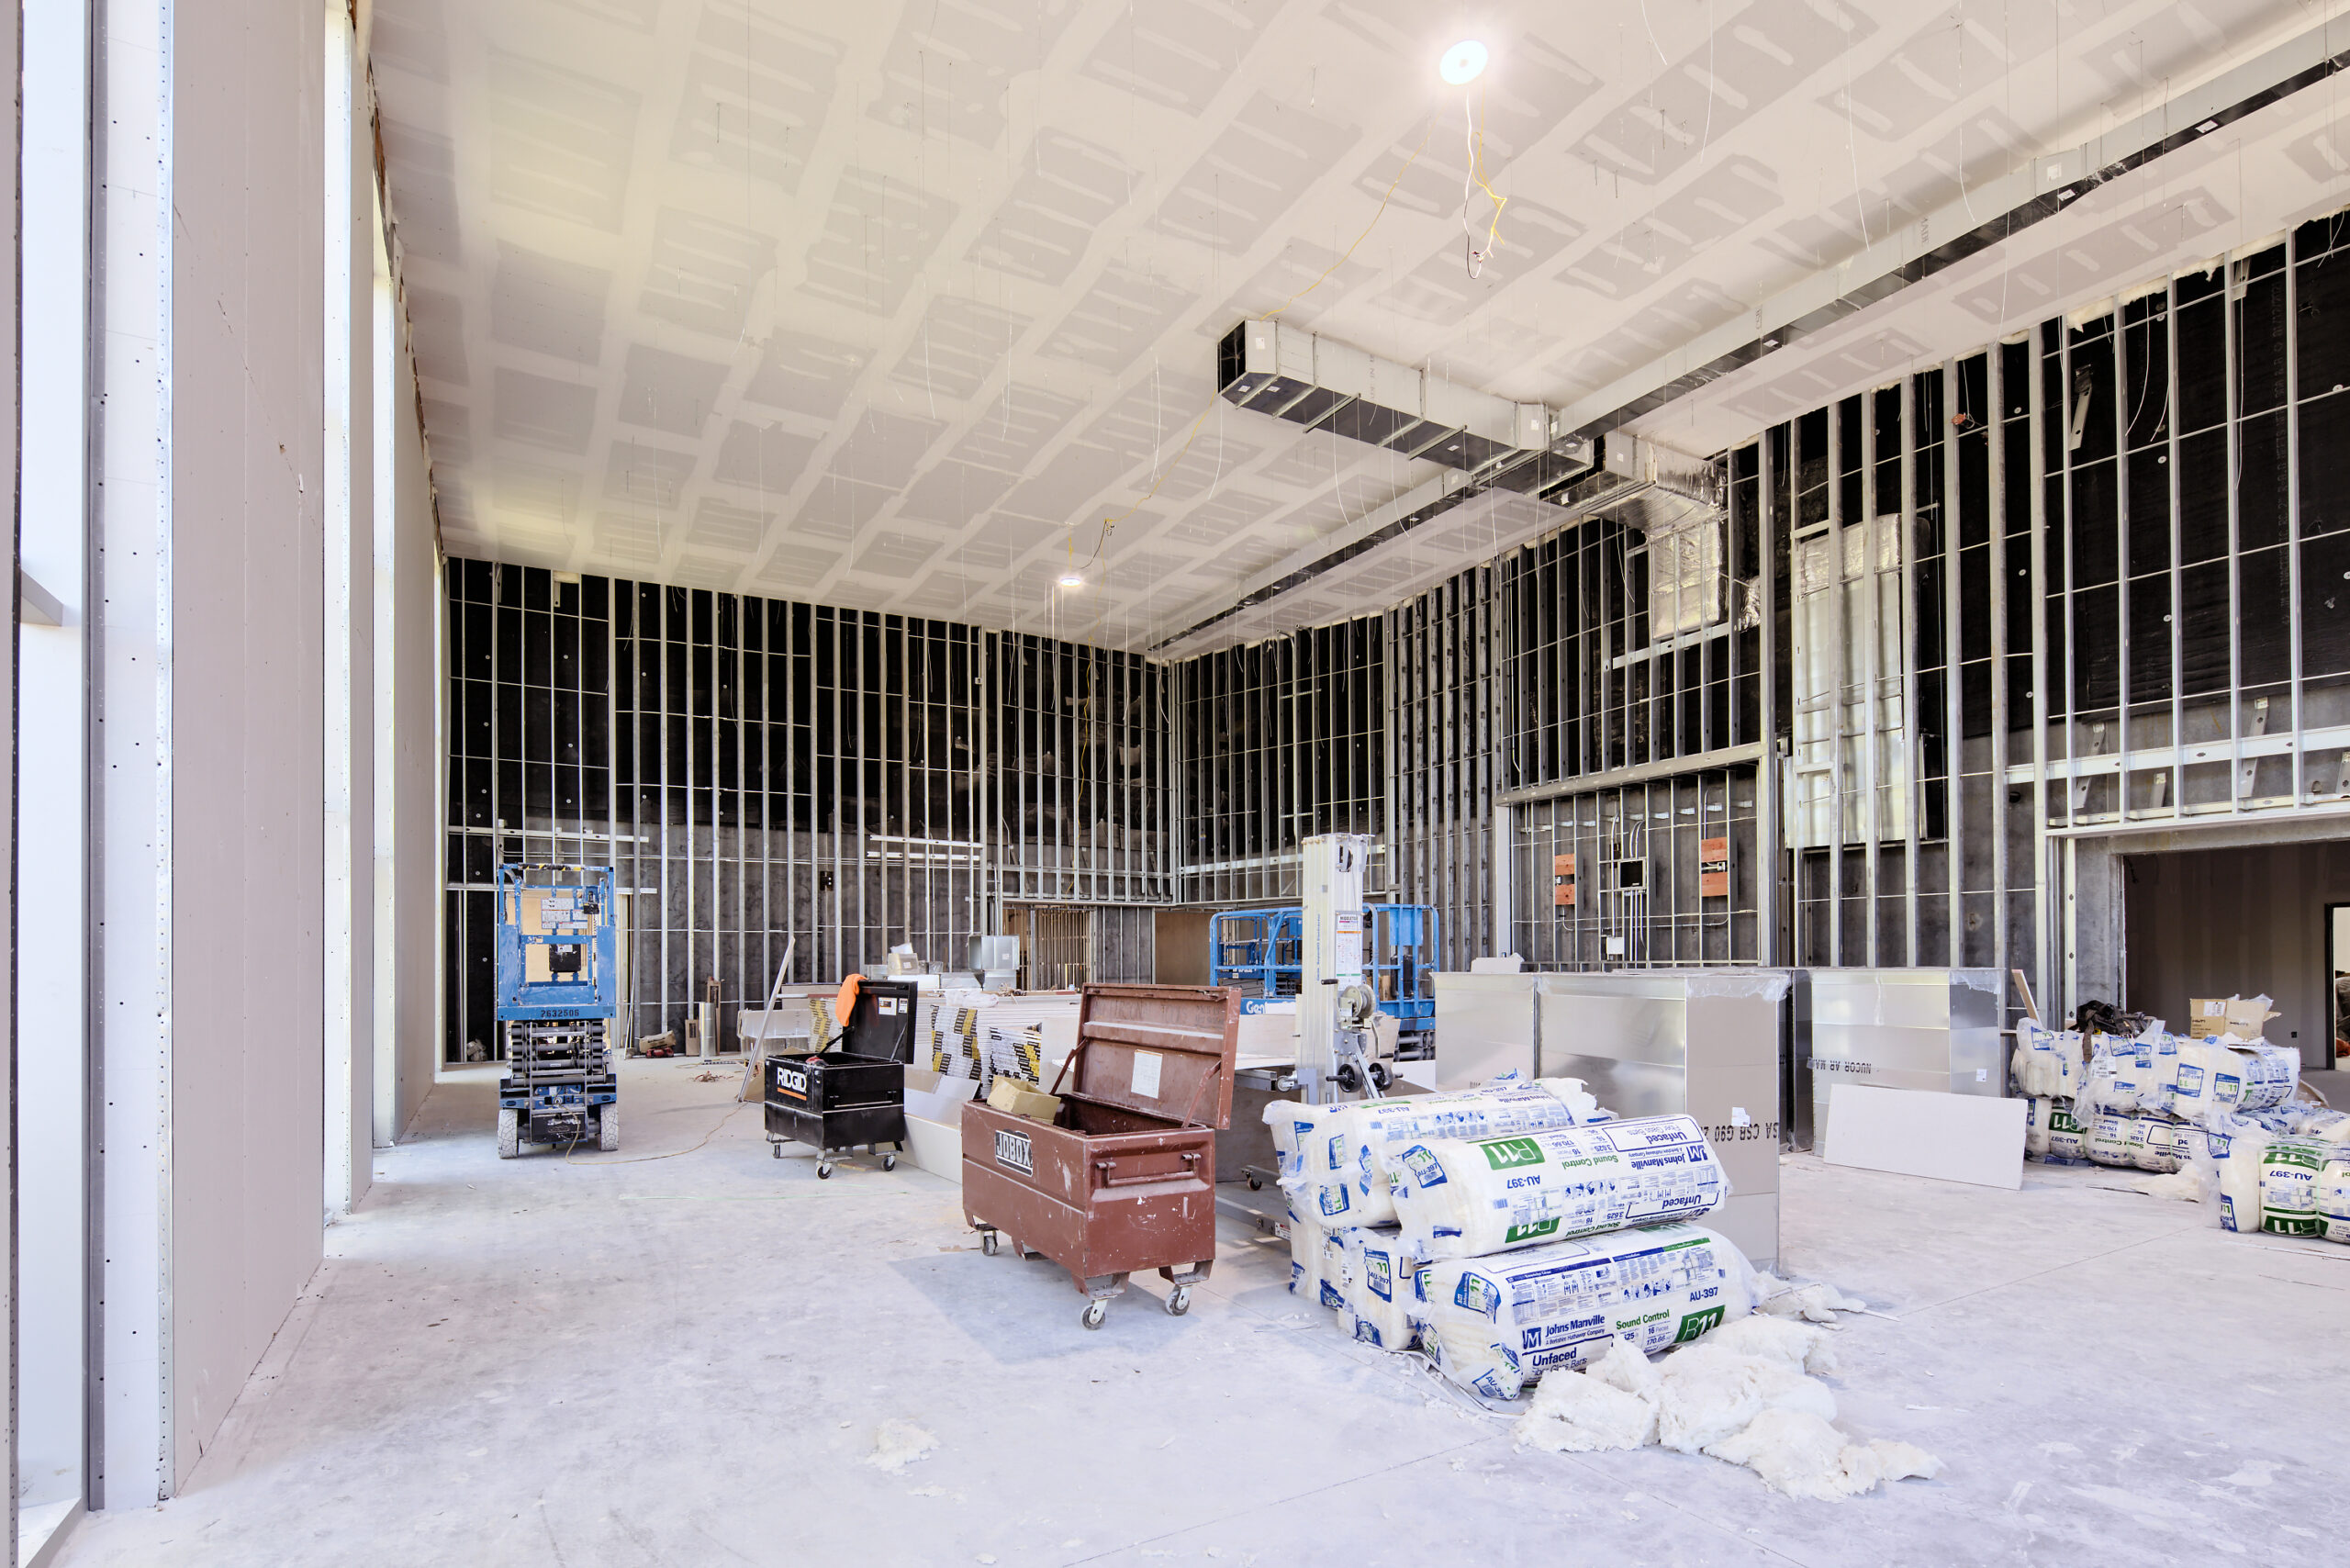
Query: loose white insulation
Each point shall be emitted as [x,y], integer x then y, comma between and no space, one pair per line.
[1742,1393]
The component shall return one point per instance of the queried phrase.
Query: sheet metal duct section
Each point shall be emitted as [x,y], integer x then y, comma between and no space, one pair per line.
[1322,385]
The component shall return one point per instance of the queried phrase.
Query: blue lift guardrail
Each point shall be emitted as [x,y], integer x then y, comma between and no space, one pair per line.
[1260,951]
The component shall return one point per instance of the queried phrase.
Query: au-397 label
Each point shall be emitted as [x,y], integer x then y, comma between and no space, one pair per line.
[1012,1149]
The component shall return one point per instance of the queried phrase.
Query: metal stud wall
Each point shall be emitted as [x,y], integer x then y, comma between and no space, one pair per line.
[769,775]
[1280,740]
[1947,637]
[1444,656]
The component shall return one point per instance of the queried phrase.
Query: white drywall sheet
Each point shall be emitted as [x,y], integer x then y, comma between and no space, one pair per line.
[1951,1137]
[245,865]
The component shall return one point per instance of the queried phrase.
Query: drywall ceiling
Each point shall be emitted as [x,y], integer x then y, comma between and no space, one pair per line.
[891,305]
[2231,192]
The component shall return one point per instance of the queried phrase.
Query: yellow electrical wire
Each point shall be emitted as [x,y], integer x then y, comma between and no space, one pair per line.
[1389,195]
[1477,259]
[1386,196]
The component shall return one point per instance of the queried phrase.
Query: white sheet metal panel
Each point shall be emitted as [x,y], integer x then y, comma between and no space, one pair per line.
[1946,1137]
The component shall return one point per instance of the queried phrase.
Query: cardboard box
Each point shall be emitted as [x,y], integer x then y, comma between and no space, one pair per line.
[2210,1017]
[1011,1096]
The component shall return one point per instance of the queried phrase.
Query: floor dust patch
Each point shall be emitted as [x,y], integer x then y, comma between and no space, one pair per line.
[899,1444]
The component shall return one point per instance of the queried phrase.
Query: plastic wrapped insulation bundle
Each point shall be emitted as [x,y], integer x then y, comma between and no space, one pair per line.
[2230,1076]
[2122,1075]
[2275,1184]
[2052,1133]
[1364,1139]
[1292,1127]
[1313,1259]
[1496,1324]
[1466,1199]
[1343,1171]
[2047,1064]
[1377,1285]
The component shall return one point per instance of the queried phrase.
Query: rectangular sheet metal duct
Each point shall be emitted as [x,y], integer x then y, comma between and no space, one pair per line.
[1321,383]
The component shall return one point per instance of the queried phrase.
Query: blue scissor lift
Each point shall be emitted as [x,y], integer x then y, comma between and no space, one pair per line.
[557,992]
[1262,951]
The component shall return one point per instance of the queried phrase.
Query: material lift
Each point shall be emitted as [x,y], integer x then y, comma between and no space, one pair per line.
[557,992]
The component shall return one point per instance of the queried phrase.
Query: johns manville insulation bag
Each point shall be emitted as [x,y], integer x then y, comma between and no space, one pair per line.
[1376,1132]
[1346,1154]
[1497,1324]
[1465,1198]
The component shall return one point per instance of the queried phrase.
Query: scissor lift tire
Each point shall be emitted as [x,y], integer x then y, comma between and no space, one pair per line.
[608,1127]
[509,1134]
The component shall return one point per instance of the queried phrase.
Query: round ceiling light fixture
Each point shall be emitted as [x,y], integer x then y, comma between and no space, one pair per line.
[1464,62]
[1072,579]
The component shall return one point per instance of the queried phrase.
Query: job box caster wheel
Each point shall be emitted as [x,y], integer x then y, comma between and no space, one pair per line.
[776,1150]
[987,1242]
[1179,1301]
[1095,1311]
[1256,1183]
[889,1162]
[509,1134]
[824,1172]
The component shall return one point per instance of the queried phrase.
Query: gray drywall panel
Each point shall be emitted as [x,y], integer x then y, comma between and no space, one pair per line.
[351,959]
[416,747]
[246,148]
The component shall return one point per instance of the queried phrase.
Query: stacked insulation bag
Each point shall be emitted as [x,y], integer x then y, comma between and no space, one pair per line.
[1334,1171]
[2270,1159]
[2293,1182]
[2151,1102]
[2128,1100]
[1513,1251]
[2046,1072]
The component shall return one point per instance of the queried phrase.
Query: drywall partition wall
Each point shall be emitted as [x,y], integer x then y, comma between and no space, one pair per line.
[52,1085]
[246,732]
[1179,946]
[347,179]
[10,25]
[408,546]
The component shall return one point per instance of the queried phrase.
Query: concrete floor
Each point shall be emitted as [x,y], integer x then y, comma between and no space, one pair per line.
[685,1360]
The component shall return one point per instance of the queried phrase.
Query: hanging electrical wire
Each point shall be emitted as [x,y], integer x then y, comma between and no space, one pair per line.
[1473,138]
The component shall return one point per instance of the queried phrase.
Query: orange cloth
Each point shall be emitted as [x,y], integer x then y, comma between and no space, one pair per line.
[845,1003]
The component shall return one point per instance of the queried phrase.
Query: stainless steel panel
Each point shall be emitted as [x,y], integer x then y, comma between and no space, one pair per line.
[1485,1026]
[1702,1043]
[1932,1030]
[1751,1223]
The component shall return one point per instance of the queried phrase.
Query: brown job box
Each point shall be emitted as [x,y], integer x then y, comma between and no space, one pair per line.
[1124,1178]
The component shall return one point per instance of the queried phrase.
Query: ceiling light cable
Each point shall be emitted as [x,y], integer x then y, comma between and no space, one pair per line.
[1473,138]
